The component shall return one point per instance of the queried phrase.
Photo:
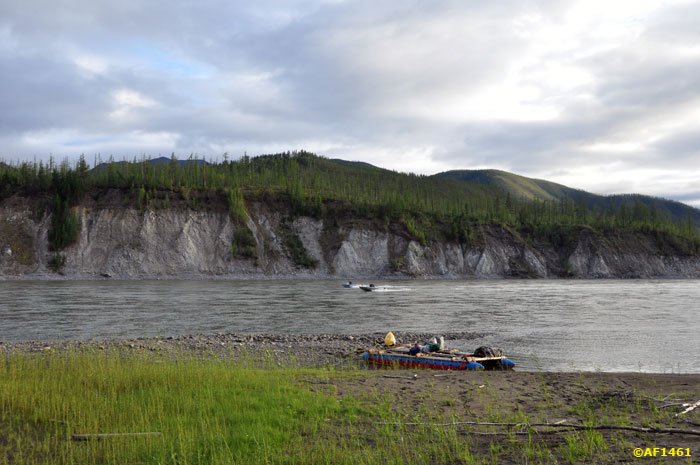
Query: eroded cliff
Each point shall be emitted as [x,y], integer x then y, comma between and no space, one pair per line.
[122,242]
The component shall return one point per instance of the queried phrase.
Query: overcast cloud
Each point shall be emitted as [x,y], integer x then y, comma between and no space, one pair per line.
[594,94]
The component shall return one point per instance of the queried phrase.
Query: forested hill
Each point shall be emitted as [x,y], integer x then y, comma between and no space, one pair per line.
[539,189]
[519,186]
[428,208]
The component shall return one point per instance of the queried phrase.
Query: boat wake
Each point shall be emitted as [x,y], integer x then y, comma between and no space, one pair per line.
[390,289]
[373,288]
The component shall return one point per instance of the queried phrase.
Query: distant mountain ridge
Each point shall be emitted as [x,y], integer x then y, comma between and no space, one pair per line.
[539,189]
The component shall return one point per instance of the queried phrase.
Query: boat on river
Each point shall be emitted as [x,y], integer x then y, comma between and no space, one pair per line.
[350,285]
[404,356]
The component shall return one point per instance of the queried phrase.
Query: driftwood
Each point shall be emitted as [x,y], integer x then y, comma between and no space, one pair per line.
[656,399]
[675,403]
[690,408]
[559,424]
[516,433]
[87,437]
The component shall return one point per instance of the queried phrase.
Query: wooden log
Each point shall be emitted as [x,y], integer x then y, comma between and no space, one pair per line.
[638,429]
[690,408]
[97,436]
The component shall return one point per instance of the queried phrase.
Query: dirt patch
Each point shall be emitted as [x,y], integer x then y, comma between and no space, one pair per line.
[521,399]
[331,239]
[17,241]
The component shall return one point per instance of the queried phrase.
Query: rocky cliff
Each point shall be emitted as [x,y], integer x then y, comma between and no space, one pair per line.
[121,242]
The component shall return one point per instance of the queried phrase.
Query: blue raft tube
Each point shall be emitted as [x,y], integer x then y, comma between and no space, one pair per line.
[506,364]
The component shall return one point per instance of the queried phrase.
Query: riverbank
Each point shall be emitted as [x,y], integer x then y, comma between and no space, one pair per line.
[303,399]
[307,350]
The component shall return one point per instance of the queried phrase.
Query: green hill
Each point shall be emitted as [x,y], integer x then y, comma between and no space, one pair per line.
[539,189]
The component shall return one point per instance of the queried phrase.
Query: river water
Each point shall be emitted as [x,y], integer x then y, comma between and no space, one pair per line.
[557,325]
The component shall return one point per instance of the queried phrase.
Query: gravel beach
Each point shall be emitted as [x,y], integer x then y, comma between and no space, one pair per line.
[304,349]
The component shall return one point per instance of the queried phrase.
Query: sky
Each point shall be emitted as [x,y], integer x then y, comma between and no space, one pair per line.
[598,95]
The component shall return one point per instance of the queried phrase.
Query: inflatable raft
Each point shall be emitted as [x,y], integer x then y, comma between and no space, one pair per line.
[439,360]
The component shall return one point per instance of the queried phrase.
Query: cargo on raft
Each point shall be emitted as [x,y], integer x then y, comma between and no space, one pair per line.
[436,357]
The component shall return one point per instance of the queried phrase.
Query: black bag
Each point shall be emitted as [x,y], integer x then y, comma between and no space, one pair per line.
[485,351]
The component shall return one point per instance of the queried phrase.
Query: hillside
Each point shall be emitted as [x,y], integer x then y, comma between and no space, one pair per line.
[538,189]
[291,213]
[520,186]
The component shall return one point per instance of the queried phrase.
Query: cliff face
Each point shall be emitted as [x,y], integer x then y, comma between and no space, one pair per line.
[124,243]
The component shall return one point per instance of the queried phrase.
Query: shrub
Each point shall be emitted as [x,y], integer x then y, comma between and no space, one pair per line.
[295,249]
[243,245]
[64,226]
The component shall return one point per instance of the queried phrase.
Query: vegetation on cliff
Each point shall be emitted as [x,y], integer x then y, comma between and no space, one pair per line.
[427,207]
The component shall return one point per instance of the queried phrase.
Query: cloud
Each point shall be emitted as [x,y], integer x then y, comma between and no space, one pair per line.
[594,93]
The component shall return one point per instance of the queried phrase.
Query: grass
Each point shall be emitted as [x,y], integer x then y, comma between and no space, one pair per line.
[243,244]
[206,410]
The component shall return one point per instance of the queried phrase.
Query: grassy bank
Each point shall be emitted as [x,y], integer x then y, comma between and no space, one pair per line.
[225,410]
[205,411]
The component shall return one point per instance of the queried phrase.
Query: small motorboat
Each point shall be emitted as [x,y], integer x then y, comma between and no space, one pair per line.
[369,288]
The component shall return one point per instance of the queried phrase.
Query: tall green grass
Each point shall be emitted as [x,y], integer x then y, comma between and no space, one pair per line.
[207,411]
[254,409]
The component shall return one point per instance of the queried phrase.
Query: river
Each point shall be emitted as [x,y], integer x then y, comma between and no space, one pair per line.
[557,325]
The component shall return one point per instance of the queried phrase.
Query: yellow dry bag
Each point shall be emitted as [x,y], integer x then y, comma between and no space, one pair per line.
[390,340]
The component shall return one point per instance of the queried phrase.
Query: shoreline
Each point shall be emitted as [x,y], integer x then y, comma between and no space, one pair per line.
[319,348]
[307,350]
